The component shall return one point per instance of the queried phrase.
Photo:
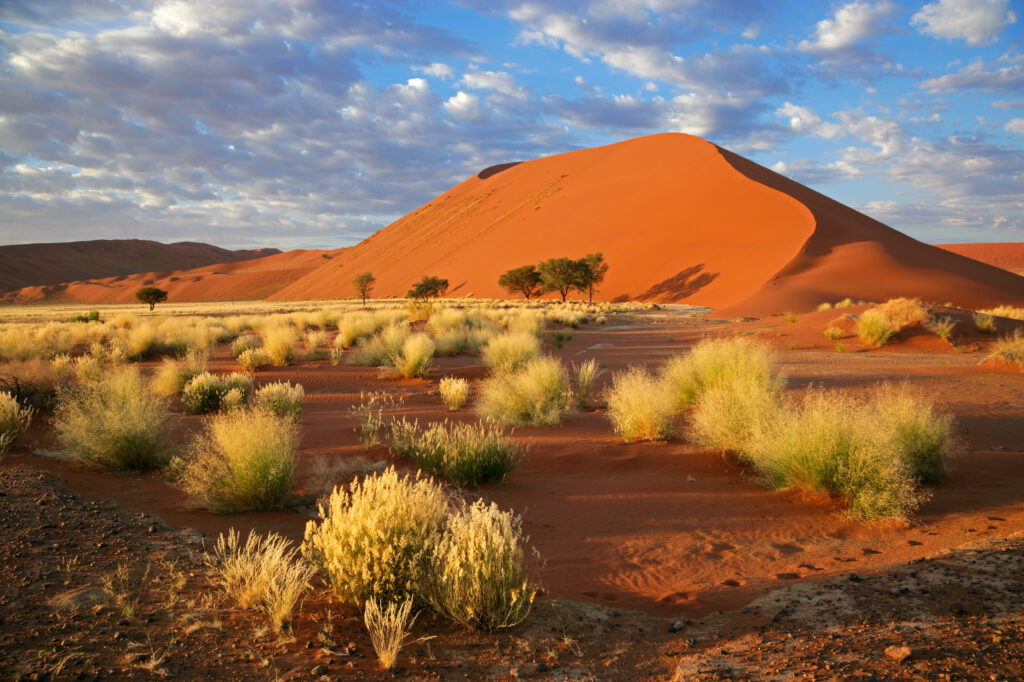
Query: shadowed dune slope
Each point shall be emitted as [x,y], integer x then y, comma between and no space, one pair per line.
[1005,255]
[678,220]
[26,265]
[251,279]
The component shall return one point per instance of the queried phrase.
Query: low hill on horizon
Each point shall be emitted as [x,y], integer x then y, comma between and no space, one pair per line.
[1005,255]
[29,265]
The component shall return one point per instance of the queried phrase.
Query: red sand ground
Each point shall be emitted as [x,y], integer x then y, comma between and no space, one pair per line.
[29,265]
[1005,255]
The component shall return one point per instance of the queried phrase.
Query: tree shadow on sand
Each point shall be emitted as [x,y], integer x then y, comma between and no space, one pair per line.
[681,285]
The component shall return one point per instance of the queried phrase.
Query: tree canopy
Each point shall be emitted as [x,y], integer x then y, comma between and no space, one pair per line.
[428,287]
[363,282]
[558,274]
[524,280]
[151,295]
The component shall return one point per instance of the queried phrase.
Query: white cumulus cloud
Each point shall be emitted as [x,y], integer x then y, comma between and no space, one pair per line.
[979,22]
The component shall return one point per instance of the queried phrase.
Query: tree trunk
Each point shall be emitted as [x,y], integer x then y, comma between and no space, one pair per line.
[152,305]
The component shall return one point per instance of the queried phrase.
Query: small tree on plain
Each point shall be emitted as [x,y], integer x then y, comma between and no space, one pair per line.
[591,270]
[363,283]
[428,287]
[525,280]
[150,295]
[558,274]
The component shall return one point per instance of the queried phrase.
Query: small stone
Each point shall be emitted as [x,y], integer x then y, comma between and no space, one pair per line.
[898,653]
[676,626]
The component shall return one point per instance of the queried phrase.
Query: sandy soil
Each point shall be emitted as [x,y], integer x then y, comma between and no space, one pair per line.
[669,530]
[1005,255]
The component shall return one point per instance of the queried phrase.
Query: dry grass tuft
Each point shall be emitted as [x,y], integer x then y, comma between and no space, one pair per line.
[509,352]
[389,629]
[279,345]
[465,454]
[984,323]
[1009,349]
[415,357]
[537,394]
[641,406]
[586,373]
[14,420]
[454,392]
[282,399]
[875,328]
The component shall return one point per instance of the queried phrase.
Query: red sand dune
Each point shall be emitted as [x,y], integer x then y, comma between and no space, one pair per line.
[678,220]
[242,280]
[26,265]
[1005,255]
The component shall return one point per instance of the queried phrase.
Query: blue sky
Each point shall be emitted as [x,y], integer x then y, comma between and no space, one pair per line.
[311,124]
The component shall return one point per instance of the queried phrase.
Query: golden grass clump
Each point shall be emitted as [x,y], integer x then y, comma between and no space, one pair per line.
[18,343]
[586,373]
[537,394]
[14,420]
[716,362]
[389,628]
[833,331]
[506,353]
[206,392]
[243,343]
[641,406]
[1009,349]
[379,349]
[173,375]
[266,573]
[875,328]
[480,577]
[1005,311]
[525,321]
[731,414]
[242,460]
[376,540]
[465,454]
[35,382]
[315,342]
[454,392]
[904,311]
[281,398]
[942,326]
[115,422]
[279,345]
[984,323]
[252,359]
[415,357]
[355,326]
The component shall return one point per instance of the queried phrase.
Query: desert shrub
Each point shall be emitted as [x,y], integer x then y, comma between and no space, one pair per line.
[252,359]
[115,422]
[874,327]
[279,345]
[315,341]
[465,454]
[910,427]
[282,399]
[941,326]
[823,306]
[355,326]
[984,323]
[454,392]
[716,362]
[174,375]
[34,383]
[509,352]
[732,413]
[14,419]
[244,343]
[242,460]
[141,341]
[833,332]
[17,343]
[536,394]
[451,342]
[480,577]
[379,349]
[1009,349]
[89,368]
[265,574]
[91,316]
[904,311]
[641,406]
[377,539]
[388,628]
[415,357]
[205,392]
[1005,311]
[586,374]
[370,413]
[527,321]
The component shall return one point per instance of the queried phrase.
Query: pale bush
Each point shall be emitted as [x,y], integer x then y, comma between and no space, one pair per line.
[315,342]
[89,368]
[1009,349]
[379,349]
[984,323]
[1005,311]
[174,375]
[377,539]
[205,392]
[874,327]
[480,576]
[355,326]
[526,322]
[910,427]
[454,392]
[731,414]
[586,374]
[717,362]
[252,359]
[279,345]
[415,357]
[115,422]
[537,394]
[833,332]
[451,342]
[52,339]
[18,343]
[465,454]
[281,398]
[388,628]
[141,340]
[244,343]
[904,311]
[242,460]
[823,307]
[641,406]
[506,353]
[265,574]
[14,420]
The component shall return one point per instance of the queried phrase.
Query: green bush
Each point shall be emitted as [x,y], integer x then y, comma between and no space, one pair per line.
[641,406]
[480,576]
[206,392]
[537,394]
[242,460]
[465,454]
[282,399]
[910,427]
[114,422]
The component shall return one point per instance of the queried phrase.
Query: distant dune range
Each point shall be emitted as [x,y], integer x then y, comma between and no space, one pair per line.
[1005,255]
[677,218]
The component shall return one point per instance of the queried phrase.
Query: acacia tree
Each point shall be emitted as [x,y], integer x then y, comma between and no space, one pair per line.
[150,295]
[363,283]
[558,274]
[428,287]
[525,280]
[590,272]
